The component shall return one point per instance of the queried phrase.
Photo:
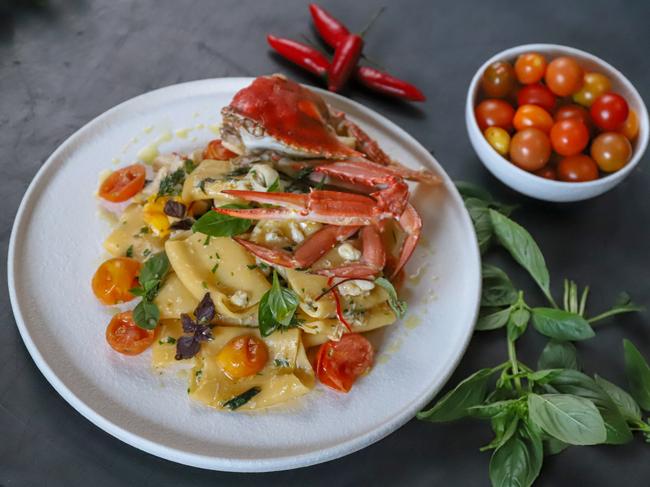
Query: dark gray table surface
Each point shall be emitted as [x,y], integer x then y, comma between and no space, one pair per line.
[66,63]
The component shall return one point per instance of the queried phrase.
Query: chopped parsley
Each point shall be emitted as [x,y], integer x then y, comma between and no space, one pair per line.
[129,251]
[172,184]
[167,341]
[214,268]
[188,165]
[281,362]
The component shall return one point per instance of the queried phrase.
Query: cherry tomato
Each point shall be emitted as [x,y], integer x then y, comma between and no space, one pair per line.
[595,84]
[569,137]
[609,111]
[547,172]
[611,151]
[338,364]
[530,68]
[564,76]
[573,111]
[499,139]
[498,80]
[576,169]
[528,116]
[124,336]
[216,150]
[123,183]
[631,126]
[114,278]
[494,113]
[530,149]
[536,94]
[243,356]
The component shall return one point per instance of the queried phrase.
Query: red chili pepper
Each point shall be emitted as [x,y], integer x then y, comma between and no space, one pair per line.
[345,60]
[339,310]
[387,84]
[304,56]
[330,29]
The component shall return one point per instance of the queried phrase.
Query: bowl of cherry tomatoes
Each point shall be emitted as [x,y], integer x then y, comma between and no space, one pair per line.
[555,123]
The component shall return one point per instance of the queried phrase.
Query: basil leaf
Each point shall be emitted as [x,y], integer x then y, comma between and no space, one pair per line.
[494,320]
[623,304]
[146,315]
[485,411]
[568,418]
[265,319]
[504,425]
[623,401]
[522,247]
[517,323]
[497,287]
[243,398]
[519,460]
[217,225]
[561,325]
[553,446]
[453,405]
[154,269]
[558,355]
[471,190]
[578,384]
[543,376]
[638,374]
[276,308]
[187,347]
[480,215]
[399,307]
[205,310]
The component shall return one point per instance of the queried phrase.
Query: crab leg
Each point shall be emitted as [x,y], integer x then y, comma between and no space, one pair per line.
[372,261]
[411,223]
[312,249]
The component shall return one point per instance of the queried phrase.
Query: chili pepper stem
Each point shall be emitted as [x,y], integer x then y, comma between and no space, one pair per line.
[371,22]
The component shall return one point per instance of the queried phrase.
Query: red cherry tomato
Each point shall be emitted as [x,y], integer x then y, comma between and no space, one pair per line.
[123,183]
[547,172]
[498,80]
[537,94]
[564,76]
[569,137]
[611,151]
[124,336]
[216,150]
[530,68]
[530,149]
[532,116]
[609,111]
[339,364]
[494,113]
[113,279]
[576,169]
[573,111]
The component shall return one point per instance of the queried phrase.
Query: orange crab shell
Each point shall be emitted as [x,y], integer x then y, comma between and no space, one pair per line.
[292,114]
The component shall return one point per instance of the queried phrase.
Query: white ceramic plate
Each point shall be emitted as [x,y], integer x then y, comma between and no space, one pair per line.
[56,246]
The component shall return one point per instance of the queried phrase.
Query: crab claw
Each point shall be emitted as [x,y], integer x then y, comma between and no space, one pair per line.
[372,262]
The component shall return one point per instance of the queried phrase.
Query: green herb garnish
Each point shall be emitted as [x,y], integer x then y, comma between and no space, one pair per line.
[217,225]
[167,341]
[152,274]
[243,398]
[399,307]
[277,308]
[275,186]
[172,184]
[129,251]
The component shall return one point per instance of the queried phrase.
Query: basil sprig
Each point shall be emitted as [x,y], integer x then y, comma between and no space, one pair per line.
[146,314]
[540,412]
[217,225]
[277,308]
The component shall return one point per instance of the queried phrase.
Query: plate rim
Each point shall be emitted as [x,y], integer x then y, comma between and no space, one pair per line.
[276,463]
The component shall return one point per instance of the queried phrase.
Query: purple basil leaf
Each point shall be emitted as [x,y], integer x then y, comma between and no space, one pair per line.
[187,347]
[188,325]
[185,224]
[175,209]
[203,333]
[205,311]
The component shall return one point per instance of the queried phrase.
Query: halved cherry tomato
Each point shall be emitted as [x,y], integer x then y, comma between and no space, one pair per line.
[124,336]
[499,139]
[631,126]
[576,169]
[243,356]
[537,94]
[494,113]
[611,151]
[595,84]
[564,76]
[113,279]
[528,116]
[547,172]
[530,149]
[609,111]
[339,364]
[498,80]
[216,150]
[569,137]
[123,183]
[530,68]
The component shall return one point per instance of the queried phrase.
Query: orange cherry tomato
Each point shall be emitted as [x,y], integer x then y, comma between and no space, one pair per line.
[114,278]
[631,126]
[530,149]
[609,111]
[494,113]
[530,68]
[243,356]
[498,80]
[124,336]
[537,94]
[577,169]
[611,151]
[547,172]
[569,137]
[339,364]
[123,183]
[564,76]
[595,84]
[216,150]
[573,111]
[528,116]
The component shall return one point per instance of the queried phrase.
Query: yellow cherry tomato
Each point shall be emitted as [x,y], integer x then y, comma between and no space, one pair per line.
[499,139]
[611,151]
[631,126]
[595,84]
[243,356]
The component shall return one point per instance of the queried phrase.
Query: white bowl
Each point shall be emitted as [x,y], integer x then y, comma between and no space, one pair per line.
[538,187]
